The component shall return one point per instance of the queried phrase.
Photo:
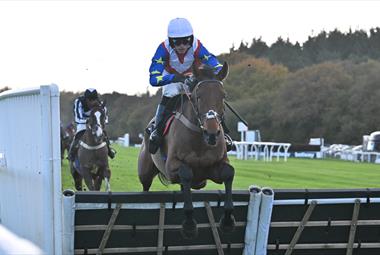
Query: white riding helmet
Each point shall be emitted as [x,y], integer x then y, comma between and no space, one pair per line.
[179,27]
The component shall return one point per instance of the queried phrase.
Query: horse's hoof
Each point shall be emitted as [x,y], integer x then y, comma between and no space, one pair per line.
[189,229]
[227,225]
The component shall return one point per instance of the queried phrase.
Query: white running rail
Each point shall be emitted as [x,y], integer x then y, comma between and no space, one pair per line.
[30,167]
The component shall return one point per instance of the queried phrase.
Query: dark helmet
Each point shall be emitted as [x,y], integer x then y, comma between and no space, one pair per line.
[91,94]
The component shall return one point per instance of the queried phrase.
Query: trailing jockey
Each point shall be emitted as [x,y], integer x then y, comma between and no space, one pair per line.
[82,109]
[170,68]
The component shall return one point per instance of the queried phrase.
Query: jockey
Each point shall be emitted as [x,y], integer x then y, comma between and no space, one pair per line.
[82,109]
[171,66]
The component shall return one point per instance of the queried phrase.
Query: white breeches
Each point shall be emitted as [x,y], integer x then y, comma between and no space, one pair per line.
[80,127]
[173,89]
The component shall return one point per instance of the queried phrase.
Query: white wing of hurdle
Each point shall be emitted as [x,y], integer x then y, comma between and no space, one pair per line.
[30,167]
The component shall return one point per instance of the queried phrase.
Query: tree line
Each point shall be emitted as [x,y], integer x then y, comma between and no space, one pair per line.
[327,87]
[357,45]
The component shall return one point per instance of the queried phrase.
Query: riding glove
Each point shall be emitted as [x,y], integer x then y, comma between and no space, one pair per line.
[178,78]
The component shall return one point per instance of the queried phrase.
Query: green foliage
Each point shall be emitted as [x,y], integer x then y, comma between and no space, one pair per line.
[284,52]
[67,107]
[251,77]
[306,95]
[336,101]
[295,173]
[325,46]
[127,114]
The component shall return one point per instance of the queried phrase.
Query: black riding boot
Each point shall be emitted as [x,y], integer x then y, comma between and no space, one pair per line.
[229,141]
[111,151]
[155,138]
[74,146]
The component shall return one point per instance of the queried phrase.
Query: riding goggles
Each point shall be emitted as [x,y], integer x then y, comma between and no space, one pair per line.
[183,40]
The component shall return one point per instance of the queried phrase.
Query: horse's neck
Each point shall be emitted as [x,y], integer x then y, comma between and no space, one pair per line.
[189,111]
[89,139]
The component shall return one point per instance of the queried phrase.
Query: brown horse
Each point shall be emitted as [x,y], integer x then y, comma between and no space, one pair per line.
[91,163]
[67,135]
[195,149]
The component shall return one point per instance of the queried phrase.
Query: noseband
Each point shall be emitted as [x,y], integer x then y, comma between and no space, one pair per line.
[211,114]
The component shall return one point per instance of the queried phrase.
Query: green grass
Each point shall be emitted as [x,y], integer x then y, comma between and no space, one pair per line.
[295,173]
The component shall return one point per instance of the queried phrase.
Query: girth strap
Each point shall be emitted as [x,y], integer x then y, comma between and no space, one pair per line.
[88,147]
[185,121]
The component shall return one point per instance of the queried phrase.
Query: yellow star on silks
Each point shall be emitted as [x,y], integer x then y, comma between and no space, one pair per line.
[155,72]
[159,78]
[206,57]
[159,61]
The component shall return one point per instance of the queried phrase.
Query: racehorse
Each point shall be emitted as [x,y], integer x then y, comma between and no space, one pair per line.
[194,148]
[67,135]
[91,162]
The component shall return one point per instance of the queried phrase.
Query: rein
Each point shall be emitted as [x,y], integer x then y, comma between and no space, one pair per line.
[188,122]
[209,115]
[185,121]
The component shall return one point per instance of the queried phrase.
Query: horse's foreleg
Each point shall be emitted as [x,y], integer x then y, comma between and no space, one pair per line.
[146,168]
[76,176]
[62,149]
[97,180]
[88,178]
[107,178]
[189,226]
[108,184]
[78,181]
[227,222]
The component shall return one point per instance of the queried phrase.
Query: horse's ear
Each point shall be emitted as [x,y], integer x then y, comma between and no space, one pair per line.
[223,72]
[196,71]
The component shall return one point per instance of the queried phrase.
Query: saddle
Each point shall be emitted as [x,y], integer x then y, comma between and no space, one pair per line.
[168,123]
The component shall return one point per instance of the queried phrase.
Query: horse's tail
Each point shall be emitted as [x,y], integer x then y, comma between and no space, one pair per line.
[163,179]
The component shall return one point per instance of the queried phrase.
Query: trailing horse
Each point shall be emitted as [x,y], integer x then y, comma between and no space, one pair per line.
[194,148]
[67,135]
[91,163]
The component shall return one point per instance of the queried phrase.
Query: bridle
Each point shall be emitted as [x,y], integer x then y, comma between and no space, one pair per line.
[96,129]
[211,114]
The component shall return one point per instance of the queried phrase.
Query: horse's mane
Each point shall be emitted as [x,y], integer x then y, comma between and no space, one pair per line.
[201,73]
[204,72]
[99,106]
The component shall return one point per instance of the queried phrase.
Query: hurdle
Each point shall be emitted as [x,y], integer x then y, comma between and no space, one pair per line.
[301,222]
